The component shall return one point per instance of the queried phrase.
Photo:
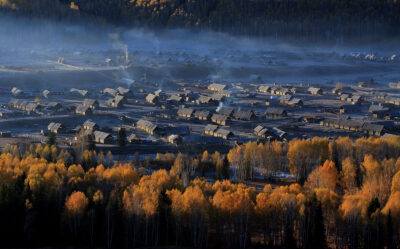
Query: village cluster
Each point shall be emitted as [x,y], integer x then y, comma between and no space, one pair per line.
[181,113]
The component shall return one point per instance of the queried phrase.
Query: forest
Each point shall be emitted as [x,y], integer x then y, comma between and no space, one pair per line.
[346,195]
[327,19]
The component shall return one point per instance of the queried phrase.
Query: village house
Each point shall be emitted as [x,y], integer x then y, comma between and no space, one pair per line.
[344,124]
[205,100]
[224,133]
[91,103]
[392,114]
[261,131]
[273,90]
[216,87]
[210,129]
[344,96]
[380,95]
[275,112]
[159,93]
[110,91]
[185,112]
[124,91]
[379,111]
[55,106]
[219,119]
[373,129]
[190,96]
[395,85]
[226,111]
[46,94]
[285,99]
[225,93]
[315,90]
[82,133]
[392,100]
[347,109]
[134,139]
[278,133]
[117,102]
[355,99]
[174,139]
[250,102]
[79,92]
[15,103]
[152,99]
[175,99]
[202,114]
[245,115]
[311,119]
[90,125]
[102,137]
[149,127]
[283,91]
[264,89]
[337,91]
[23,105]
[16,92]
[83,110]
[295,102]
[56,128]
[218,97]
[32,107]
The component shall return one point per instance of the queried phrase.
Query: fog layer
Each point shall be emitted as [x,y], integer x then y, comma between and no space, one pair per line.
[30,52]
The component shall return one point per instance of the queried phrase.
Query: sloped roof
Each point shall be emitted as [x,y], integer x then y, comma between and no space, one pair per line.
[223,132]
[89,102]
[185,111]
[202,113]
[147,124]
[225,110]
[82,108]
[89,123]
[219,87]
[110,91]
[151,97]
[275,111]
[373,127]
[101,135]
[210,128]
[204,99]
[243,114]
[219,117]
[175,97]
[314,89]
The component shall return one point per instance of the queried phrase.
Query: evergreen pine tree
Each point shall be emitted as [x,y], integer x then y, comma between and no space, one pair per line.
[121,139]
[51,139]
[225,168]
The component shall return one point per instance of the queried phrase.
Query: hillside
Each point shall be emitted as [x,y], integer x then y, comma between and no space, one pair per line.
[330,19]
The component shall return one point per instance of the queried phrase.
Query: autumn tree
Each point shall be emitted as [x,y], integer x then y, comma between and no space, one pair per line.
[349,175]
[75,206]
[304,155]
[325,176]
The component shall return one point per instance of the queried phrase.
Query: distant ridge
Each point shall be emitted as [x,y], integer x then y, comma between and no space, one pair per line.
[329,19]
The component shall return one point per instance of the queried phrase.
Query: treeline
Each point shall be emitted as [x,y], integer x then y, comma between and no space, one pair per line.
[349,198]
[328,19]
